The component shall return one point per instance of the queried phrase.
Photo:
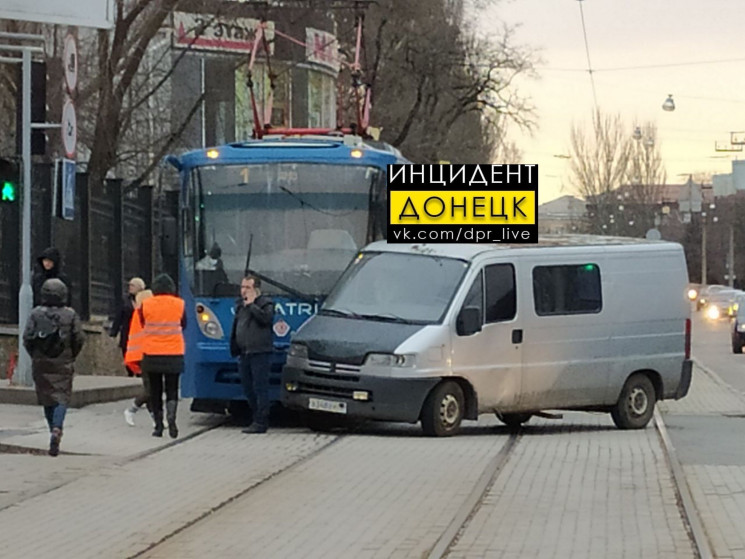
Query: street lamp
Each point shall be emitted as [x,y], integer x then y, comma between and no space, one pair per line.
[669,104]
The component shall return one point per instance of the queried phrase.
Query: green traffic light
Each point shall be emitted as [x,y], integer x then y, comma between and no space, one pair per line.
[8,192]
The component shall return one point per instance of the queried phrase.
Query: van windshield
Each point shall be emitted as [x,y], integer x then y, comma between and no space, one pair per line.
[396,287]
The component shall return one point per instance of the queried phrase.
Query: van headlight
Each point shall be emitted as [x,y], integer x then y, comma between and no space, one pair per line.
[390,360]
[298,350]
[209,325]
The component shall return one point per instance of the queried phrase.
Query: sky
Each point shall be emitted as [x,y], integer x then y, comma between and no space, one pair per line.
[640,52]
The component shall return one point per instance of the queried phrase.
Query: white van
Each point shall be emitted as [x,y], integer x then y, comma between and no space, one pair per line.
[444,332]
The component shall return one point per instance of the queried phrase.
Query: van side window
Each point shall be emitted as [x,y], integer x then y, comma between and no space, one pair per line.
[567,289]
[475,296]
[500,292]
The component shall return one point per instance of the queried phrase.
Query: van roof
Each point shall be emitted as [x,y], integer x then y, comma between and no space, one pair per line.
[470,250]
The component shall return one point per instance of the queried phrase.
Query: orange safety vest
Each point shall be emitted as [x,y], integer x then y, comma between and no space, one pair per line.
[133,355]
[162,334]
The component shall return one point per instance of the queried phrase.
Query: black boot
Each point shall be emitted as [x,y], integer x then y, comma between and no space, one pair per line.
[54,441]
[158,418]
[171,406]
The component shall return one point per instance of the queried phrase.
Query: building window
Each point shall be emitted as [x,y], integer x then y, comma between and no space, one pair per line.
[321,100]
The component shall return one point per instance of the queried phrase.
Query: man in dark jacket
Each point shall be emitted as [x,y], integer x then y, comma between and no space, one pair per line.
[52,363]
[252,341]
[49,266]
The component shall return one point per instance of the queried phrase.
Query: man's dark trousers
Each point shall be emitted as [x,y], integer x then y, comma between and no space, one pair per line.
[254,369]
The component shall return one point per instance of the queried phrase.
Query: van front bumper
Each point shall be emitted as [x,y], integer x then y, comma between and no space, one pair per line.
[686,374]
[389,399]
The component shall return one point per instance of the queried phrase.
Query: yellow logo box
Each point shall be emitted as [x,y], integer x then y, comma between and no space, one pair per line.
[462,207]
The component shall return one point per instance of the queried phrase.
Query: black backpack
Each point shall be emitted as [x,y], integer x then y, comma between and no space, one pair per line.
[48,339]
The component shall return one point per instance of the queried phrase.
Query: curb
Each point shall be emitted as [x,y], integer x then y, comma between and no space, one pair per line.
[25,396]
[689,512]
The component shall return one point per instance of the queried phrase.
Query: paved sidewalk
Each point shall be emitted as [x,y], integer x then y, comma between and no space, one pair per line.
[121,510]
[718,490]
[95,436]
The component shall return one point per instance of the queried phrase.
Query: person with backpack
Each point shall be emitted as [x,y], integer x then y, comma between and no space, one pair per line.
[53,337]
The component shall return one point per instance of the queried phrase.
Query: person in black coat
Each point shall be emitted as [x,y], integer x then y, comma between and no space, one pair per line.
[53,373]
[252,341]
[123,317]
[49,266]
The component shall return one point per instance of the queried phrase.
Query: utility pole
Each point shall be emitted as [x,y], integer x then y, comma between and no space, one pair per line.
[22,375]
[703,248]
[731,256]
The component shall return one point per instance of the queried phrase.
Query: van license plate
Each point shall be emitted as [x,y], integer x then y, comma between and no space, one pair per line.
[327,405]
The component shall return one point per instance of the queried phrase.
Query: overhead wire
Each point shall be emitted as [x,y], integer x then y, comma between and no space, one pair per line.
[587,51]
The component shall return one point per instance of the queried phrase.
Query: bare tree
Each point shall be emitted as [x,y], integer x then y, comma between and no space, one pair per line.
[598,167]
[120,53]
[440,91]
[642,195]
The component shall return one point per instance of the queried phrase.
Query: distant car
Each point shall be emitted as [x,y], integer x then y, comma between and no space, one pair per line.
[737,301]
[706,292]
[692,291]
[738,325]
[718,304]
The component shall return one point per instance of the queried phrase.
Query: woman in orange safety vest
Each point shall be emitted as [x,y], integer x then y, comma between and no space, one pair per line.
[133,357]
[163,320]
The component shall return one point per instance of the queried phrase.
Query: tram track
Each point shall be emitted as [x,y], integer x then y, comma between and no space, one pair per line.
[212,510]
[468,508]
[686,505]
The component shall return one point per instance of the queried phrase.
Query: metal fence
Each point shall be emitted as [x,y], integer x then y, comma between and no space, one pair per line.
[109,240]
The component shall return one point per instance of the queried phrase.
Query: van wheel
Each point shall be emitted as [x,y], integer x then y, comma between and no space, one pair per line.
[636,404]
[443,410]
[514,419]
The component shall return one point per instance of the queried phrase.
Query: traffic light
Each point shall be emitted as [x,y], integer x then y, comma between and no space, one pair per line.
[38,107]
[8,181]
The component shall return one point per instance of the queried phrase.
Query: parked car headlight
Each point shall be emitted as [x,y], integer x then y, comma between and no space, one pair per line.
[390,360]
[298,350]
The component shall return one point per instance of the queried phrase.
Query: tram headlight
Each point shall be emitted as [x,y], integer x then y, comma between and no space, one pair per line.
[208,323]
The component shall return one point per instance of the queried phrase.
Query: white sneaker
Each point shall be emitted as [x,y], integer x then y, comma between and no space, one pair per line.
[129,417]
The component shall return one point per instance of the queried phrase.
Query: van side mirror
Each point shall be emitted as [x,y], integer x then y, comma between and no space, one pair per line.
[468,321]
